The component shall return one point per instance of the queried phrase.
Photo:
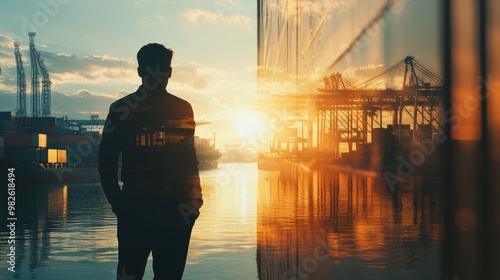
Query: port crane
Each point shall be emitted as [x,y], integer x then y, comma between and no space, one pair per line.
[335,112]
[21,83]
[40,101]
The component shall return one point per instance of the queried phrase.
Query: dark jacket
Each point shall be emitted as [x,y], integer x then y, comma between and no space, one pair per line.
[153,131]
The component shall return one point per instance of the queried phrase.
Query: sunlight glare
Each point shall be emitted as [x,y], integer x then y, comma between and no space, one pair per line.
[249,124]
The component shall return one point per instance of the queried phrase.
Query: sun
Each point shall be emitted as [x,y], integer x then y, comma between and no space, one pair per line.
[249,124]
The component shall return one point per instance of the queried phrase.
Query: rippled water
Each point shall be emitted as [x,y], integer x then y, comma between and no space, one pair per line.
[254,225]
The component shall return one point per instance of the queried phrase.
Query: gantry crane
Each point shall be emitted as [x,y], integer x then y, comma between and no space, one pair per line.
[35,79]
[21,83]
[46,84]
[40,107]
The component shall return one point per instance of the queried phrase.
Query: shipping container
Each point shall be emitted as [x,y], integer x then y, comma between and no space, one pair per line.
[383,142]
[23,121]
[406,134]
[40,140]
[61,156]
[25,140]
[52,139]
[17,140]
[86,153]
[363,150]
[75,139]
[38,121]
[44,129]
[43,121]
[21,154]
[424,132]
[52,155]
[7,116]
[379,135]
[2,153]
[8,126]
[48,155]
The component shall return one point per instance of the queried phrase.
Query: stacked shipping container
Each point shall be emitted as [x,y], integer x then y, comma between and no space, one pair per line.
[2,153]
[21,140]
[29,148]
[81,148]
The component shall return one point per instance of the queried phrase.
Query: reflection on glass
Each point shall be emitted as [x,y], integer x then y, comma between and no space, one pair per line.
[327,224]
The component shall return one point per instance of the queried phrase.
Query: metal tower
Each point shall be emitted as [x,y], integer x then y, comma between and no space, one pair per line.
[410,74]
[46,84]
[35,79]
[21,84]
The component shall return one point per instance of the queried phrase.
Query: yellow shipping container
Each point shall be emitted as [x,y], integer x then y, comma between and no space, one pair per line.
[48,155]
[61,156]
[51,156]
[39,140]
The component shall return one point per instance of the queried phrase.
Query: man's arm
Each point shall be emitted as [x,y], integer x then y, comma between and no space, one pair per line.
[109,152]
[194,197]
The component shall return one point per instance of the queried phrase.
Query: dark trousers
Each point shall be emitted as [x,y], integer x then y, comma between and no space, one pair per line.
[165,233]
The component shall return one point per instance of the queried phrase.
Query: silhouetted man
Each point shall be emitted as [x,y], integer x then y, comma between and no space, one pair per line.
[153,131]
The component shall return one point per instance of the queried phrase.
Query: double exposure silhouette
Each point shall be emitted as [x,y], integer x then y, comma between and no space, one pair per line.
[151,132]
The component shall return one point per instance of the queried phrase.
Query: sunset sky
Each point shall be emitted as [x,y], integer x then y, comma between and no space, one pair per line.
[89,48]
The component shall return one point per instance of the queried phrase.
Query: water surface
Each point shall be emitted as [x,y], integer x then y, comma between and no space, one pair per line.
[254,225]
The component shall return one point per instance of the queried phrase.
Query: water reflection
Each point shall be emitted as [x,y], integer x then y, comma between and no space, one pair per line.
[56,226]
[333,225]
[254,225]
[69,232]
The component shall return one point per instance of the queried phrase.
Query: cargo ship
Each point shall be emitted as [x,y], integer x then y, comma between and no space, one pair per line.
[206,153]
[56,150]
[239,153]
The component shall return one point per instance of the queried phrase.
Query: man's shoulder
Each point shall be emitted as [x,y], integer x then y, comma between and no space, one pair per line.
[130,100]
[179,101]
[136,98]
[119,102]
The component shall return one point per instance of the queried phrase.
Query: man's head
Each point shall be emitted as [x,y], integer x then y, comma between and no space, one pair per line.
[154,65]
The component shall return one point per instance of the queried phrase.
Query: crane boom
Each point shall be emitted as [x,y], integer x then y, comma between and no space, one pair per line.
[35,79]
[21,83]
[46,88]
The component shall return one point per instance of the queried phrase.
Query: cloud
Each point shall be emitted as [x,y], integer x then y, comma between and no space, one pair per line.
[194,75]
[227,2]
[358,75]
[199,15]
[61,62]
[322,7]
[66,68]
[4,54]
[8,68]
[213,91]
[311,7]
[88,84]
[80,105]
[6,41]
[77,106]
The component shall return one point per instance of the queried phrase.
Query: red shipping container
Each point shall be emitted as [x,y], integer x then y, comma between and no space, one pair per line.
[2,155]
[52,139]
[75,139]
[44,129]
[22,140]
[23,121]
[17,140]
[21,154]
